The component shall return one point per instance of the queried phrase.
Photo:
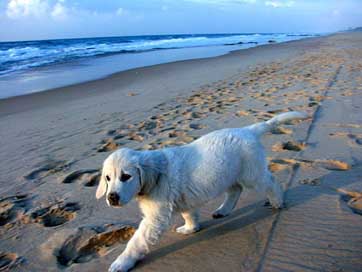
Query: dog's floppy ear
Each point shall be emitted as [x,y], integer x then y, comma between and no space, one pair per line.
[102,187]
[148,178]
[151,166]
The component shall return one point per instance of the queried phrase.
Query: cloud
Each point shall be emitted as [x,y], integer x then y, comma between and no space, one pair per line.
[279,4]
[59,11]
[336,12]
[23,8]
[18,9]
[222,2]
[120,11]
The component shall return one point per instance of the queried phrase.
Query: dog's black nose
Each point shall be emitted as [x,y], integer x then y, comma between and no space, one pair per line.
[113,198]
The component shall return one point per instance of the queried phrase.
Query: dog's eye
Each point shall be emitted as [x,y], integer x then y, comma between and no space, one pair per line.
[108,178]
[125,177]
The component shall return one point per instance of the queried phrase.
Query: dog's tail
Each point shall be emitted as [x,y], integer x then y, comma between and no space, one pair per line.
[264,127]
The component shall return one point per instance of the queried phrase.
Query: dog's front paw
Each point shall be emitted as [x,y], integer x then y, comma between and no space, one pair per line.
[187,230]
[122,264]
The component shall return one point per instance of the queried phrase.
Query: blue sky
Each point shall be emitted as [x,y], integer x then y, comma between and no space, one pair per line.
[45,19]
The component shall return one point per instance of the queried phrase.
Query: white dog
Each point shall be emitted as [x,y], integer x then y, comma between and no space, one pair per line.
[181,179]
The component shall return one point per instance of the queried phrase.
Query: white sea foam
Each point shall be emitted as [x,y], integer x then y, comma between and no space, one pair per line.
[25,55]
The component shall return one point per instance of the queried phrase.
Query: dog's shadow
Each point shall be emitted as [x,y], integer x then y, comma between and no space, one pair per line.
[213,228]
[251,214]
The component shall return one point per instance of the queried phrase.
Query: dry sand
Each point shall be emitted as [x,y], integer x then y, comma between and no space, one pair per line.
[53,144]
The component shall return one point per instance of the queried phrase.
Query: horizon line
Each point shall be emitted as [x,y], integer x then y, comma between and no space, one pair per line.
[174,34]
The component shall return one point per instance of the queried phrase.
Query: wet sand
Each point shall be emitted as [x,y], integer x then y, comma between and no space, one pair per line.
[53,144]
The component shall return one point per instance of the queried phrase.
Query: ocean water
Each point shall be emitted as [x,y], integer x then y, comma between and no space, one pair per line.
[20,59]
[15,56]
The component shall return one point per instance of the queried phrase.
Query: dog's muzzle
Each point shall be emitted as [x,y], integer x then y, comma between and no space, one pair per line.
[113,199]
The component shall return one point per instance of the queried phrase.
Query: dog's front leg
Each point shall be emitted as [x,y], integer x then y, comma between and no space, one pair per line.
[147,234]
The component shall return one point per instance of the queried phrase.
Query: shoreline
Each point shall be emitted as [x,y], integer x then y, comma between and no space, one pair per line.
[84,69]
[66,93]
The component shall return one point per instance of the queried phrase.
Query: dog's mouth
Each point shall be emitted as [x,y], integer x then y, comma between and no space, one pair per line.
[115,205]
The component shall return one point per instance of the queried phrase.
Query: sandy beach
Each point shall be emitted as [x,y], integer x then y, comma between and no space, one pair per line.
[53,144]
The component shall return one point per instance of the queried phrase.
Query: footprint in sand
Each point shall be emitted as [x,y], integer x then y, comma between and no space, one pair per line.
[353,199]
[192,115]
[281,130]
[12,208]
[312,182]
[151,146]
[132,94]
[175,138]
[8,261]
[353,138]
[48,168]
[89,177]
[108,145]
[88,242]
[149,124]
[289,145]
[55,215]
[176,133]
[110,132]
[276,165]
[329,164]
[136,136]
[91,180]
[241,113]
[196,126]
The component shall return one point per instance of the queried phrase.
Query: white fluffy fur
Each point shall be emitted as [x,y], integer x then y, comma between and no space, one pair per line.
[181,179]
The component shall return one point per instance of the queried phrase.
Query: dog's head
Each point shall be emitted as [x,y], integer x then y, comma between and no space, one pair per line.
[127,173]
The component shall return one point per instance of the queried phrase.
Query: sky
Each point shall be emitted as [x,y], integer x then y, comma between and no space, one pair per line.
[51,19]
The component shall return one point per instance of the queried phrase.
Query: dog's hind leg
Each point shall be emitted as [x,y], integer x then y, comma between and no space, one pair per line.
[274,192]
[231,198]
[191,222]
